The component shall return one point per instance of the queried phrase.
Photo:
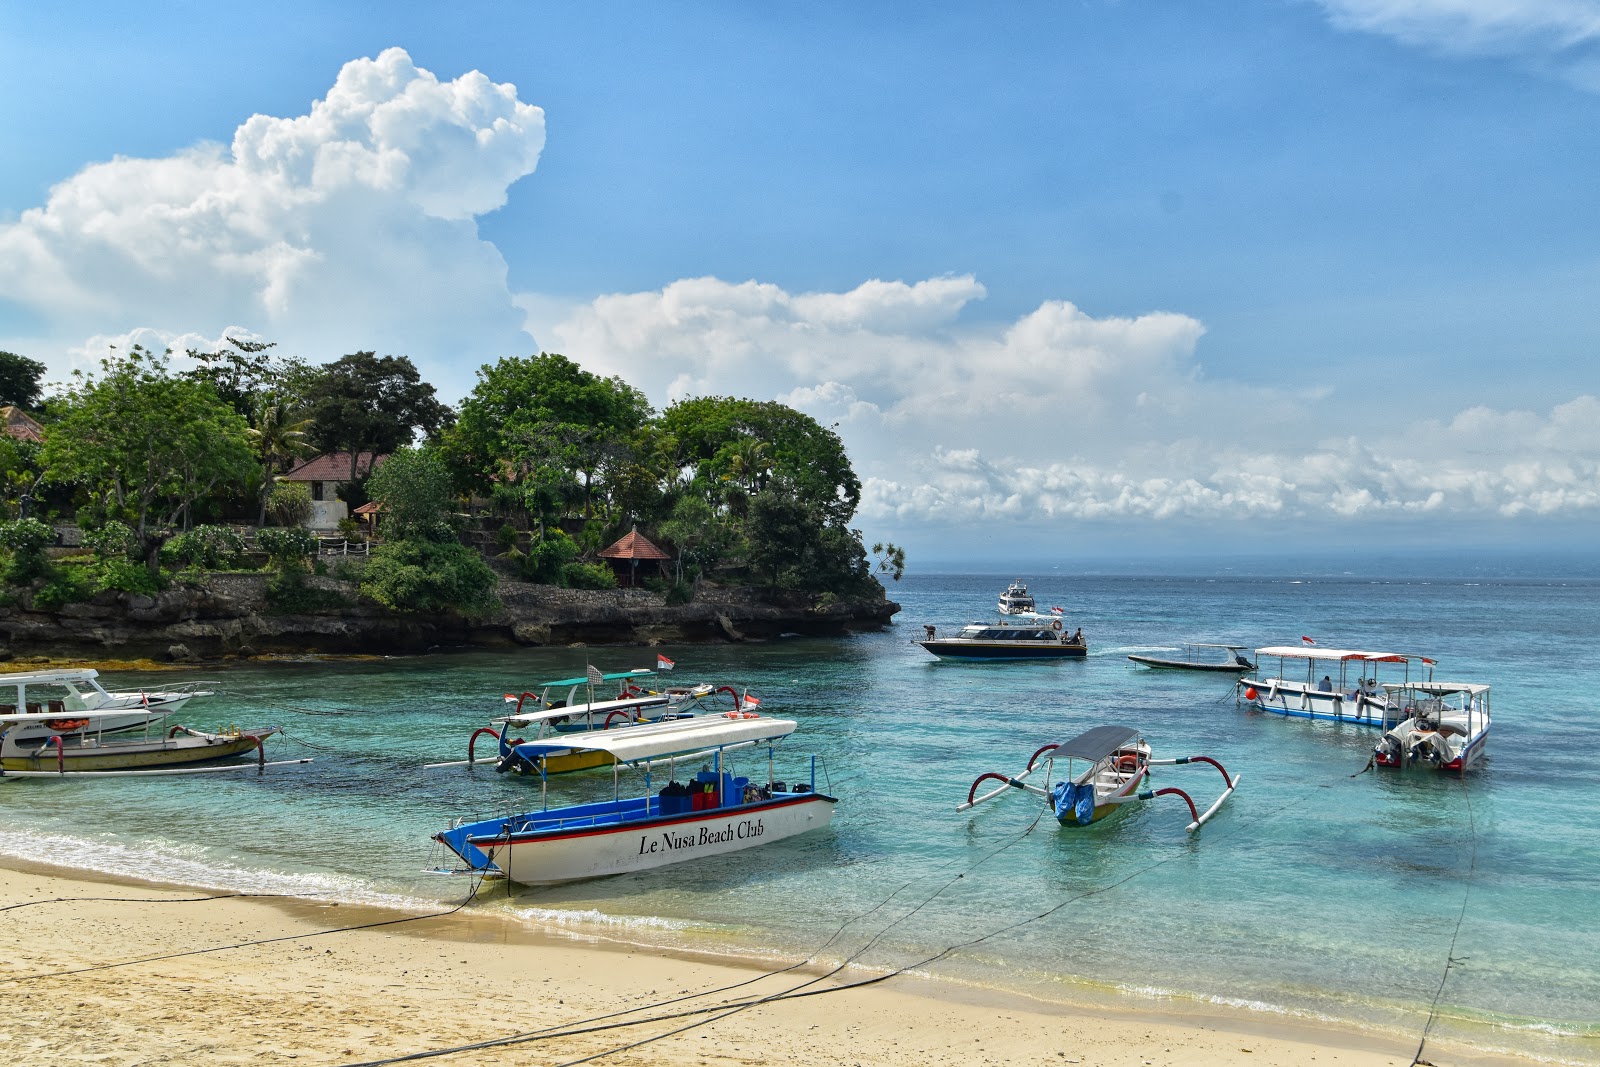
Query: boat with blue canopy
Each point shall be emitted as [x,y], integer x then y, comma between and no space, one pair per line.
[1100,771]
[717,811]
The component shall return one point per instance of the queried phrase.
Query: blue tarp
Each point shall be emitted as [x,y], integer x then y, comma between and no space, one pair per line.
[1074,803]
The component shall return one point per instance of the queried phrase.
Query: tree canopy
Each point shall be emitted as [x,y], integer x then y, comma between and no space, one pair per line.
[364,402]
[21,380]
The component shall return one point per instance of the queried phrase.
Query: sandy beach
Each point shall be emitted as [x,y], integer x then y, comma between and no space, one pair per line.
[116,973]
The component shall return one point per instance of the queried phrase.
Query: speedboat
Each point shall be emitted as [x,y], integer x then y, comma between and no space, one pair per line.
[80,703]
[715,812]
[1446,726]
[1016,600]
[1219,659]
[1030,636]
[1338,696]
[1101,771]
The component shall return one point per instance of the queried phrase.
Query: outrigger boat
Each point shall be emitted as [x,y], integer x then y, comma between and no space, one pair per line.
[715,813]
[169,750]
[1336,698]
[76,695]
[1220,659]
[1030,636]
[1102,770]
[1446,726]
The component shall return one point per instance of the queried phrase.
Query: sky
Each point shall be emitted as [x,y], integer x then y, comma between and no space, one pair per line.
[1069,279]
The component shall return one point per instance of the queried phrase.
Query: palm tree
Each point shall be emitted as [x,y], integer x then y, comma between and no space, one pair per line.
[281,434]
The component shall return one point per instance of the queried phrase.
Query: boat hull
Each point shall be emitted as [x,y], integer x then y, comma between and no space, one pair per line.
[1184,665]
[1000,650]
[85,755]
[1295,700]
[638,838]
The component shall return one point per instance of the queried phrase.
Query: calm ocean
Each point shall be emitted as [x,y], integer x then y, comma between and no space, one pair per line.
[1317,893]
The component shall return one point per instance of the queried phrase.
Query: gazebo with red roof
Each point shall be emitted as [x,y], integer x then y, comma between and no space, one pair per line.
[633,547]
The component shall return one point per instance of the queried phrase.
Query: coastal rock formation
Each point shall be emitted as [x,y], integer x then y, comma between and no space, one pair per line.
[236,615]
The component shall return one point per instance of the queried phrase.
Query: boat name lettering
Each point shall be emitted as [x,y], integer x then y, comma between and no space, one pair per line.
[747,830]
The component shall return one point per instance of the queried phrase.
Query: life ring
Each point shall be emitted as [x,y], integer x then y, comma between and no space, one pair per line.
[1056,625]
[1127,763]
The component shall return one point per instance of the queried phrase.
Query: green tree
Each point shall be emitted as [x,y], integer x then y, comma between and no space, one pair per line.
[21,380]
[793,547]
[146,444]
[243,373]
[414,487]
[369,403]
[279,433]
[546,424]
[429,576]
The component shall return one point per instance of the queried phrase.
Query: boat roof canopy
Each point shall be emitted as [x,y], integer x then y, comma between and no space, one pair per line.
[583,679]
[1437,689]
[1096,744]
[652,740]
[59,677]
[1300,652]
[651,700]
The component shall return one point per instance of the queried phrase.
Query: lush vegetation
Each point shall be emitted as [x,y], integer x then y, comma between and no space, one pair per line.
[543,464]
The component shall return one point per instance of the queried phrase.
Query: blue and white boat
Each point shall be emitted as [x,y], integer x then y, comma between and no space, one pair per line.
[716,812]
[1338,685]
[1446,726]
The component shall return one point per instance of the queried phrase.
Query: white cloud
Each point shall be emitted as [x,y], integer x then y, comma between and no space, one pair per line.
[349,227]
[1559,34]
[1061,415]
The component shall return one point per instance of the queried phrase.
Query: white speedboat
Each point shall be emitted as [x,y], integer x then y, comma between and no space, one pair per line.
[1446,726]
[1016,600]
[715,812]
[75,702]
[1337,685]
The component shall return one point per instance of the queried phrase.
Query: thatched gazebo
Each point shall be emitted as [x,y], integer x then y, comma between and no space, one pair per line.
[632,548]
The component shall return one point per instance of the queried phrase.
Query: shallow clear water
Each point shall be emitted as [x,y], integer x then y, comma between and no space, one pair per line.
[1317,892]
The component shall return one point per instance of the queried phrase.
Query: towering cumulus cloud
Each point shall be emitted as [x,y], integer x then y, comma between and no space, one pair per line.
[350,226]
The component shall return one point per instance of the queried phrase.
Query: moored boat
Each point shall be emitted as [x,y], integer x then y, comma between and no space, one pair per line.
[79,702]
[1101,771]
[1337,696]
[158,749]
[1016,600]
[716,812]
[1446,726]
[1032,636]
[1218,659]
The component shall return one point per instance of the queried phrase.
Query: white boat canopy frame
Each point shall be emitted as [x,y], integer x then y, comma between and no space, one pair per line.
[654,740]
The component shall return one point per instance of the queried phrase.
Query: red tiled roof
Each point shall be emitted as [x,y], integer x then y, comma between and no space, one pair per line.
[331,467]
[634,546]
[14,422]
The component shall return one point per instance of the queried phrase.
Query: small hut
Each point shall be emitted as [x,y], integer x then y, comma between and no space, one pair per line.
[632,548]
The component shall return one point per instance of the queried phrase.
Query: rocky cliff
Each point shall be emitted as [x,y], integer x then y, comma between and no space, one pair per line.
[233,615]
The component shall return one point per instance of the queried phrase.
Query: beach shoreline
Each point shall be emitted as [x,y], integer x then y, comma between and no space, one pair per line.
[326,983]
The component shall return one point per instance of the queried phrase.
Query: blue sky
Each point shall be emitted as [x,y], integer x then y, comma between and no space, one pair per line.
[1099,275]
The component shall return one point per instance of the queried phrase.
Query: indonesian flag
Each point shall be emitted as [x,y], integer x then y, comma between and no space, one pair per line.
[1307,640]
[663,663]
[510,699]
[751,702]
[1430,662]
[1057,611]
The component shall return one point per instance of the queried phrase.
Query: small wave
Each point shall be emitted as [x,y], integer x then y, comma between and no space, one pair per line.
[190,866]
[589,919]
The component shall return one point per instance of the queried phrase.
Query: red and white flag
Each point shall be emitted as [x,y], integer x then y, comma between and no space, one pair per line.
[751,702]
[510,699]
[1430,662]
[1308,640]
[1057,611]
[663,663]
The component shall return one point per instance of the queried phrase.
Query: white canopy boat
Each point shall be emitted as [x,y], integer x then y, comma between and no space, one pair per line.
[717,813]
[1101,771]
[1446,726]
[76,702]
[1337,696]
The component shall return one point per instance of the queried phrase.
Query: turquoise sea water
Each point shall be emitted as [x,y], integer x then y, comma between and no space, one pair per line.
[1317,892]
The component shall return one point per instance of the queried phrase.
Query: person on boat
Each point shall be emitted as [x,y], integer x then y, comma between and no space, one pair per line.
[930,631]
[1077,637]
[1369,687]
[1326,685]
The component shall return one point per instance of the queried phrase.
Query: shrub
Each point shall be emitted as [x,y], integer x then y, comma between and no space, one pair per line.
[113,540]
[547,558]
[27,540]
[680,593]
[290,503]
[288,547]
[429,576]
[66,585]
[588,576]
[506,537]
[126,576]
[212,548]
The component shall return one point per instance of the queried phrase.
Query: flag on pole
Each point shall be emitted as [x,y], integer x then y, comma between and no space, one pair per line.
[1308,640]
[595,677]
[750,701]
[1430,662]
[510,699]
[663,663]
[1057,611]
